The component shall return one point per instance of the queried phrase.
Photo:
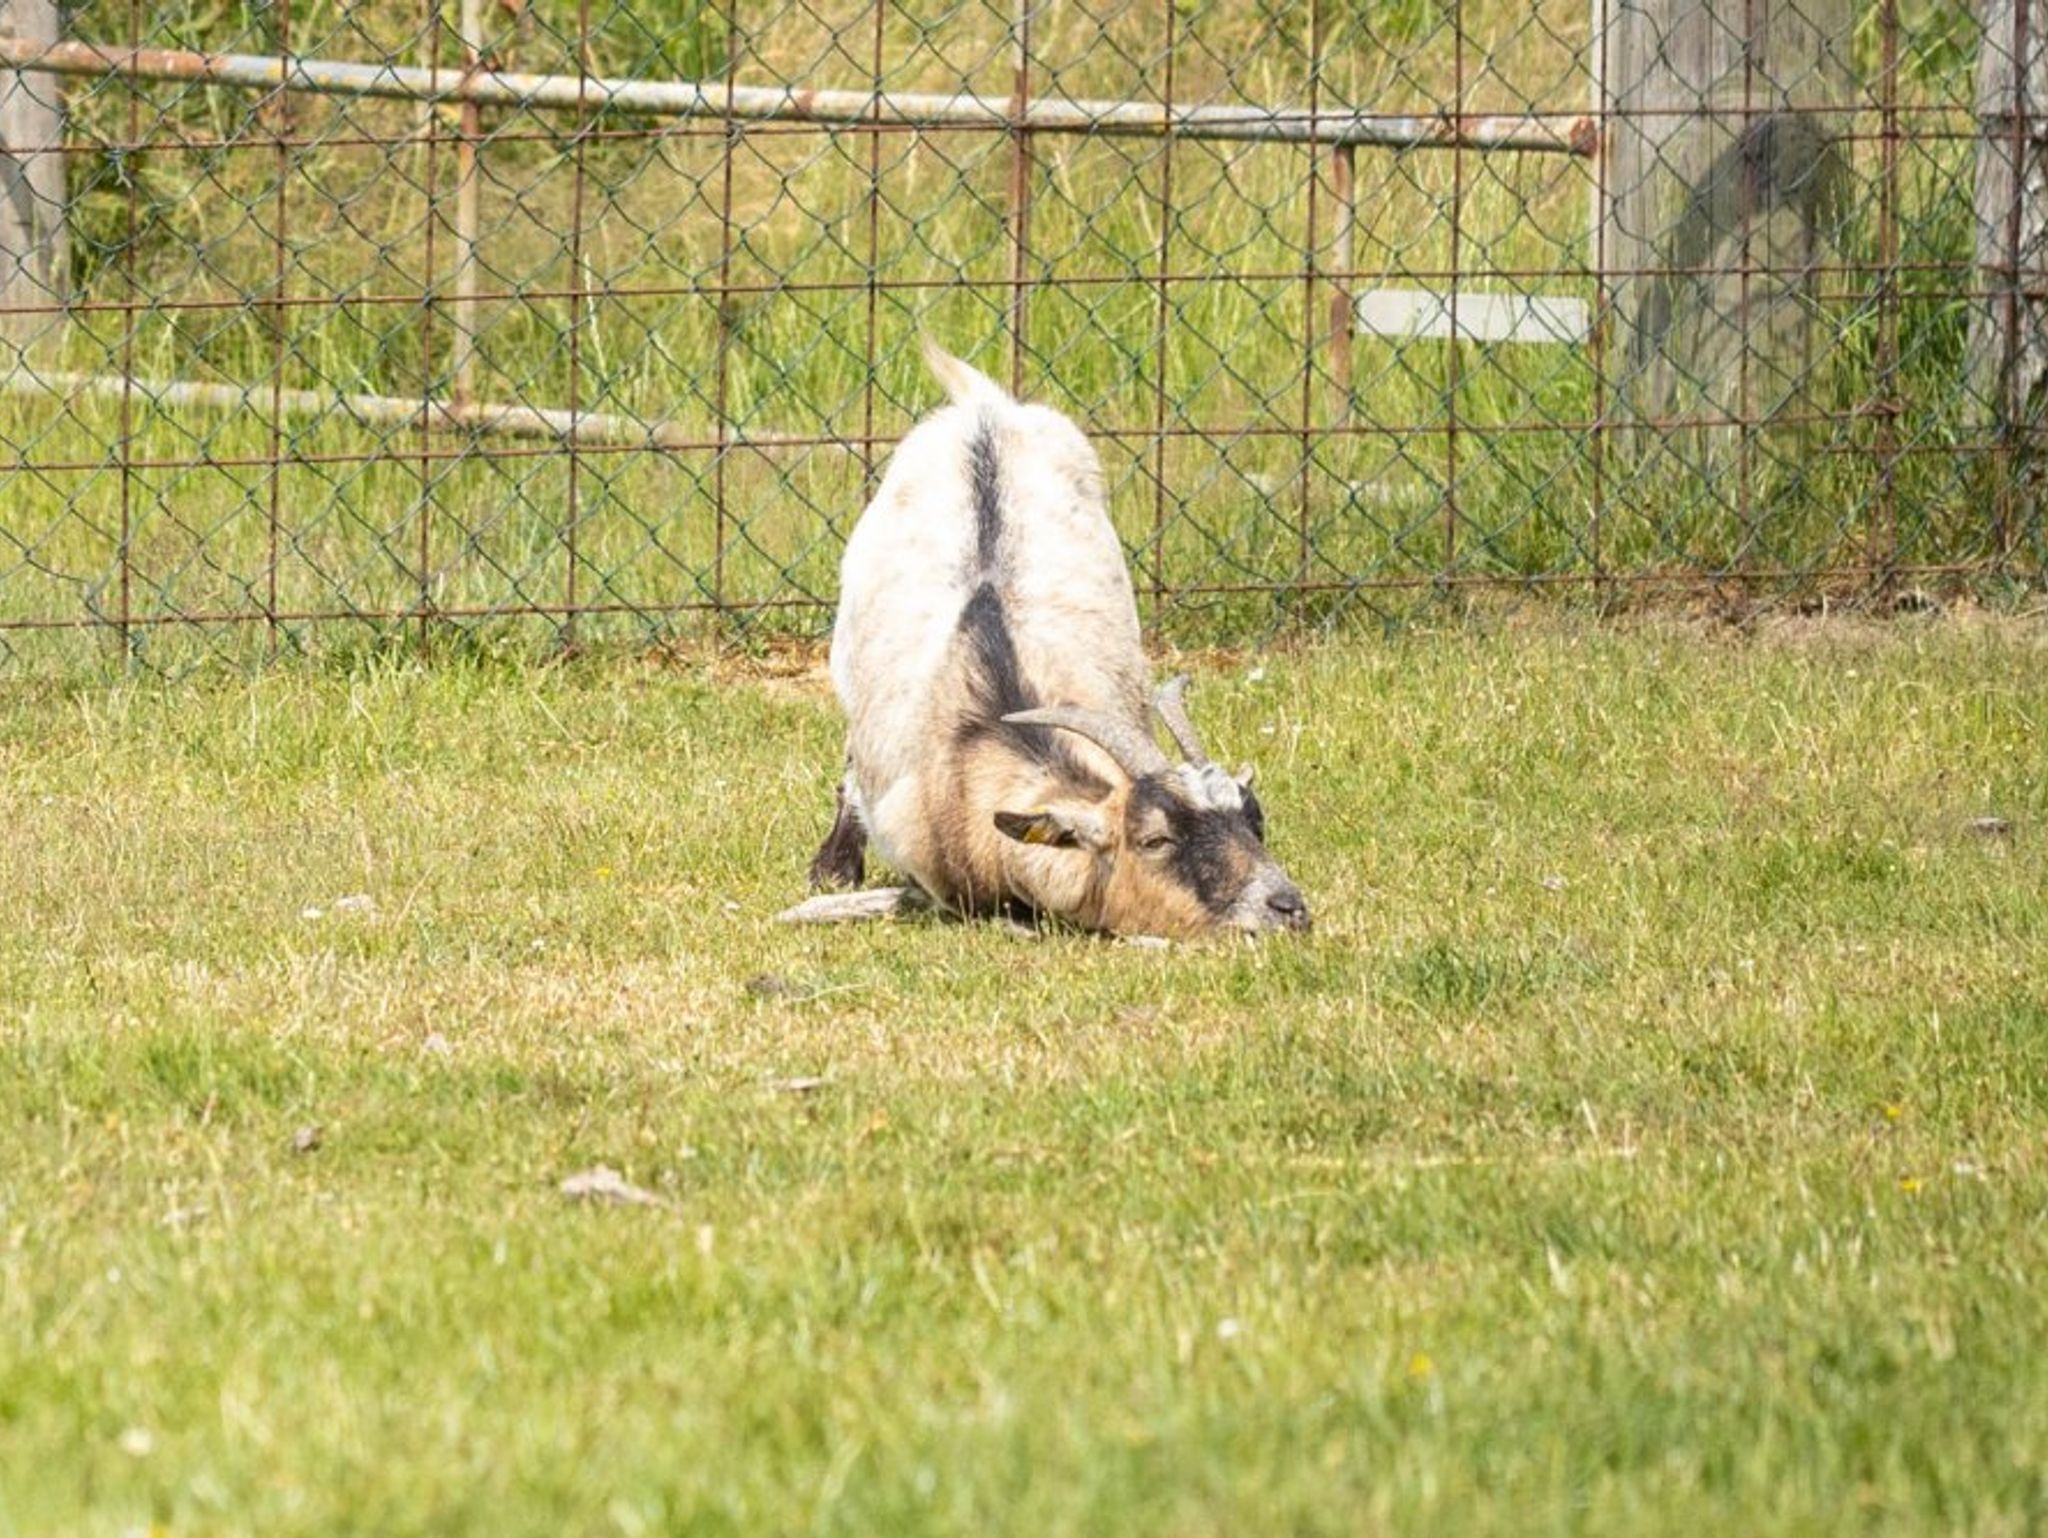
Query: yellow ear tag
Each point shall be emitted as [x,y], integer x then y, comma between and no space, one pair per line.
[1043,830]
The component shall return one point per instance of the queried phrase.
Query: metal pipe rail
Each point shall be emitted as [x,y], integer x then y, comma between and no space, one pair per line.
[605,429]
[1554,133]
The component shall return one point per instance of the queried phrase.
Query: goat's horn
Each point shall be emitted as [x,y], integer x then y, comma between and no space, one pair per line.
[1135,752]
[1170,704]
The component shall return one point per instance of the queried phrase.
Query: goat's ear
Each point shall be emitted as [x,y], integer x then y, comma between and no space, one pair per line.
[1057,827]
[1253,812]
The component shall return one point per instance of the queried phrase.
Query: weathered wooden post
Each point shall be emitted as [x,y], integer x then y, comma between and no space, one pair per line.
[1722,188]
[32,241]
[2007,361]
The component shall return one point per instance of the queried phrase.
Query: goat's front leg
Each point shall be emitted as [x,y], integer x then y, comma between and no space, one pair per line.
[841,859]
[882,902]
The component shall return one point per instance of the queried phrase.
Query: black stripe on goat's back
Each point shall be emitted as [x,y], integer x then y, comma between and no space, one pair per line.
[985,478]
[997,687]
[997,677]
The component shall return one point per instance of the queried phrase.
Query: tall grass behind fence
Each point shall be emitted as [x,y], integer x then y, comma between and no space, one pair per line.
[326,365]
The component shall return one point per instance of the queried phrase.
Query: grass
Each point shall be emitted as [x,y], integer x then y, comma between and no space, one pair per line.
[1648,1138]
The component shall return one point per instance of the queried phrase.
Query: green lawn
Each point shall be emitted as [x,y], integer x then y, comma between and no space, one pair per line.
[1652,1136]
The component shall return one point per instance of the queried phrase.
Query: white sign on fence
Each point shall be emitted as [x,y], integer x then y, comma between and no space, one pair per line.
[1482,317]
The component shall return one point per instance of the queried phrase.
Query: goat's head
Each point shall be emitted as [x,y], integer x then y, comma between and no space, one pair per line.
[1179,848]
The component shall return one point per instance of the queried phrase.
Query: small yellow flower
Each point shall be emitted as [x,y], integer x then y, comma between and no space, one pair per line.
[1910,1184]
[603,873]
[1420,1366]
[1894,1111]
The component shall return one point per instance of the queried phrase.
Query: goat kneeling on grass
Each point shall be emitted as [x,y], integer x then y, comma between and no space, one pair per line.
[999,751]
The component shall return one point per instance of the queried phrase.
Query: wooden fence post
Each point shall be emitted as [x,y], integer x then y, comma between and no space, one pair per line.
[1723,186]
[32,237]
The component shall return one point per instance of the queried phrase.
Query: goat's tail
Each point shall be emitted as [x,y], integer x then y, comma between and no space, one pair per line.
[963,382]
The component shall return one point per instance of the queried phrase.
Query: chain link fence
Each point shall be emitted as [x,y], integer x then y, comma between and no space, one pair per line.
[325,324]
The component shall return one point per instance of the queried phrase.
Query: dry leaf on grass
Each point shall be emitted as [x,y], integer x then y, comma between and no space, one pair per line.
[602,1183]
[358,903]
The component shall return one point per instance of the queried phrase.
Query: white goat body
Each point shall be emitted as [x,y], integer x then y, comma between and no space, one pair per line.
[984,583]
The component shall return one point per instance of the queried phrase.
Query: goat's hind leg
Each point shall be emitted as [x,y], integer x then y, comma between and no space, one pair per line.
[841,859]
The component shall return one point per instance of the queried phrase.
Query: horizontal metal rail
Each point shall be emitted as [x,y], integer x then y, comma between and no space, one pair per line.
[447,416]
[1842,125]
[1555,133]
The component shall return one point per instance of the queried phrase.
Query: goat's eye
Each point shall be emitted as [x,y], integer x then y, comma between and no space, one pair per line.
[1158,843]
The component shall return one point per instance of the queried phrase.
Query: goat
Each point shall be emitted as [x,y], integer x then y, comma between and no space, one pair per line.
[986,651]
